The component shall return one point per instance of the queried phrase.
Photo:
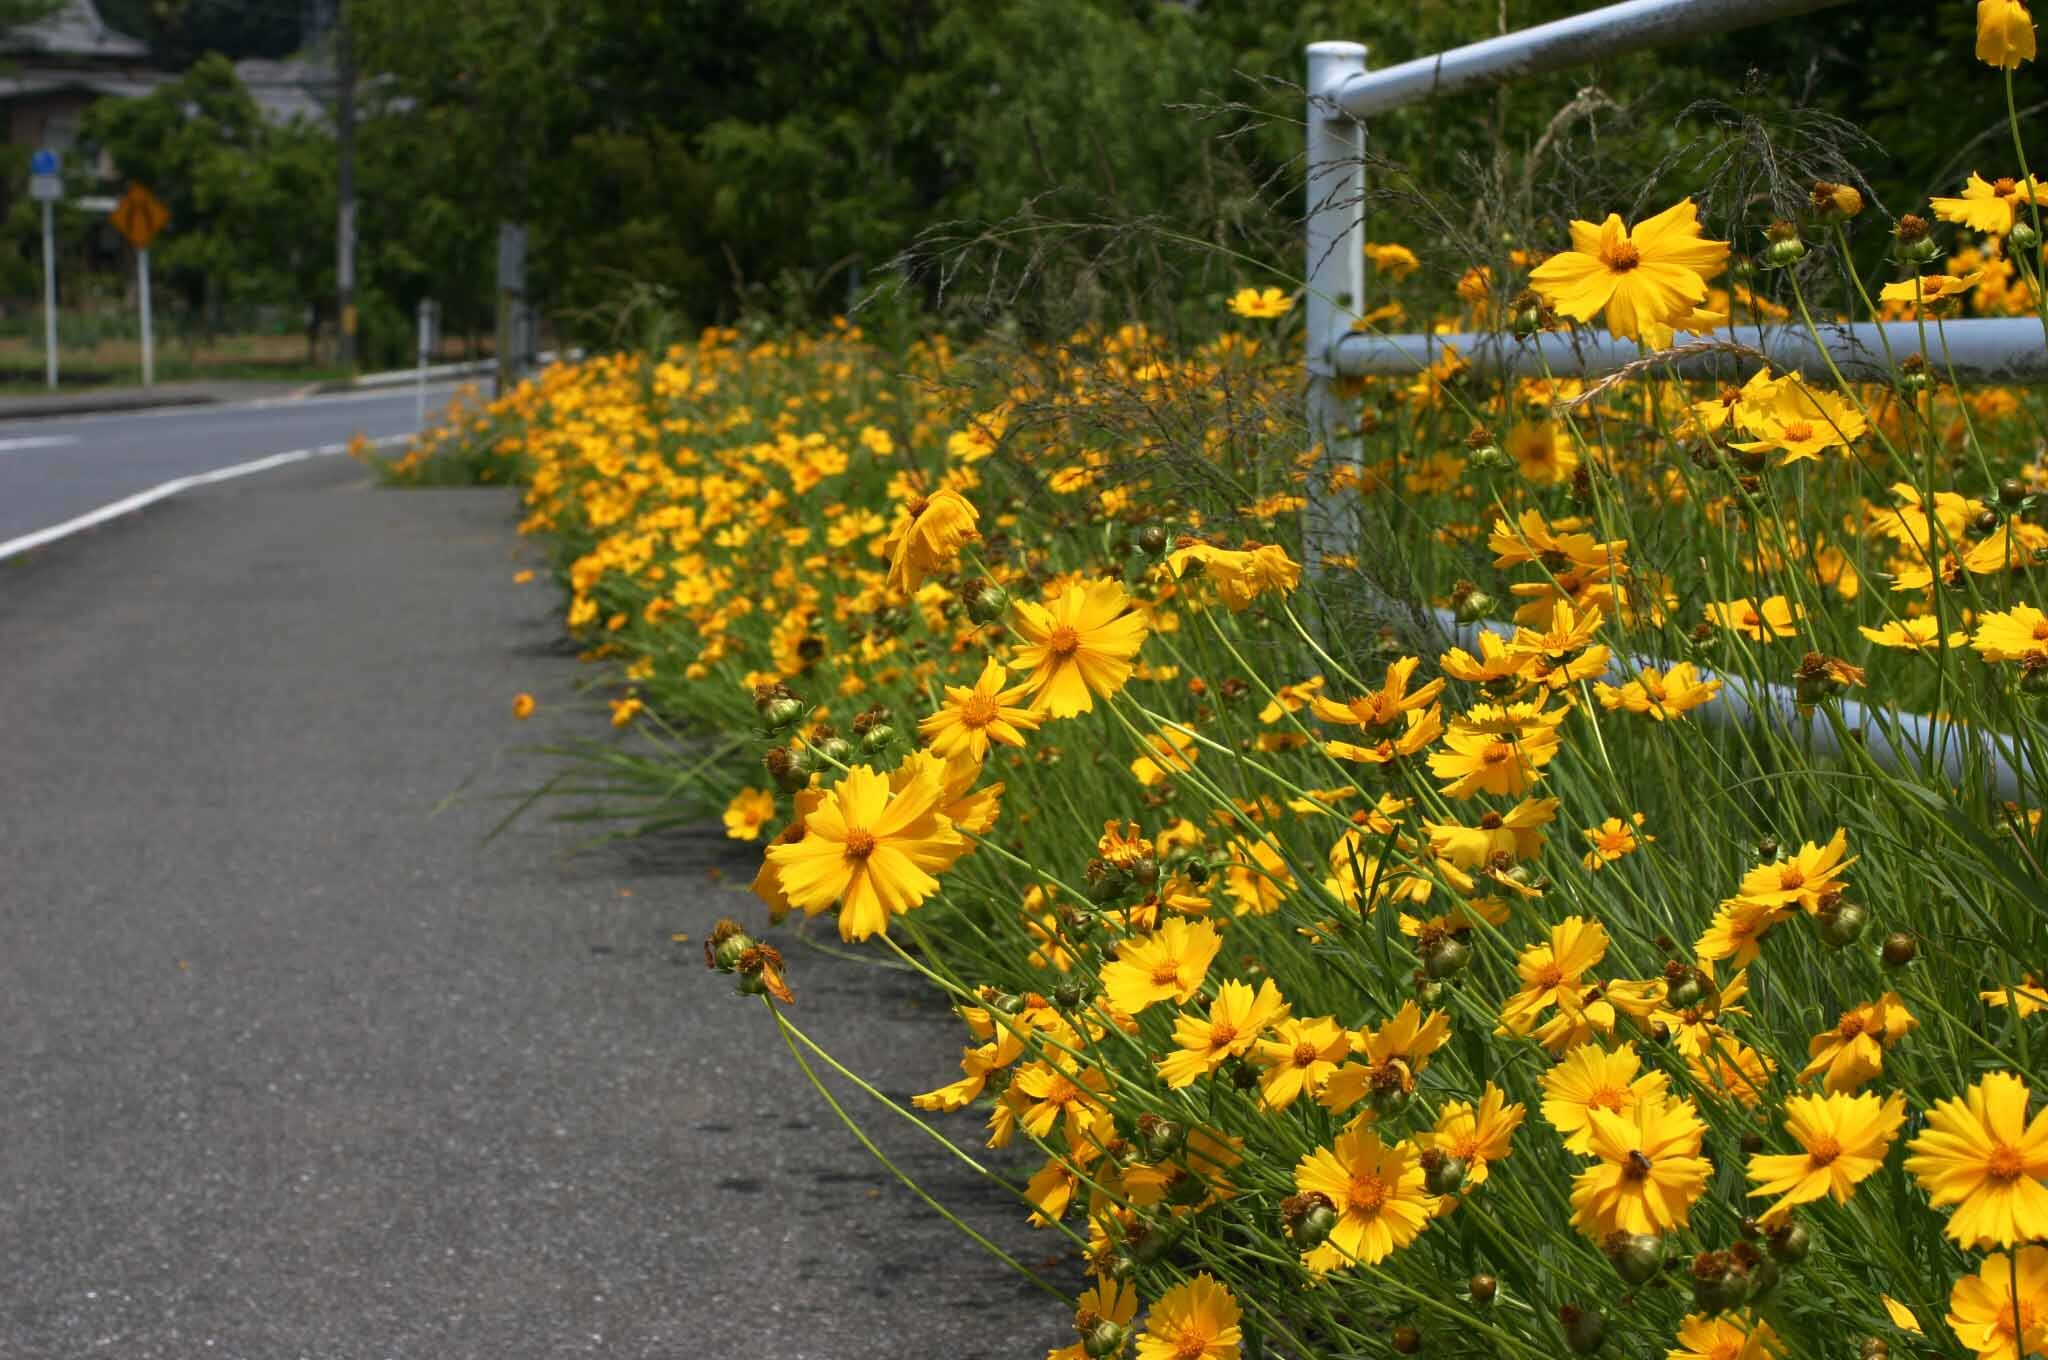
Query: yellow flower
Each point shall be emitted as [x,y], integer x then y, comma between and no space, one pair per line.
[1729,1336]
[1261,303]
[1660,694]
[1995,1320]
[1737,928]
[1914,635]
[1591,1078]
[1236,1019]
[1107,1300]
[1172,749]
[1766,622]
[1477,1136]
[1853,1051]
[522,706]
[1554,968]
[1049,1093]
[1376,1191]
[1613,839]
[1241,575]
[1544,454]
[1982,1155]
[871,851]
[1989,206]
[1167,965]
[626,709]
[2028,997]
[1845,1140]
[928,536]
[1079,647]
[1646,280]
[1497,758]
[747,813]
[971,718]
[1649,1171]
[1397,262]
[2005,34]
[1929,287]
[1801,879]
[2016,634]
[1299,1058]
[1394,1054]
[1257,877]
[1192,1321]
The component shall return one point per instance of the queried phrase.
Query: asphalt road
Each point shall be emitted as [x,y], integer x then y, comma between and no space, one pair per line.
[294,1067]
[55,469]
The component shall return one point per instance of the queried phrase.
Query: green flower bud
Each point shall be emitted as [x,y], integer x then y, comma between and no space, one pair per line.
[1841,924]
[1790,1244]
[986,603]
[1443,1175]
[1446,956]
[2024,240]
[1584,1328]
[1637,1257]
[1105,1338]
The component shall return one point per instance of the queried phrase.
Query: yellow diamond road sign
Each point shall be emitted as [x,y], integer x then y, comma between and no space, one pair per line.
[139,216]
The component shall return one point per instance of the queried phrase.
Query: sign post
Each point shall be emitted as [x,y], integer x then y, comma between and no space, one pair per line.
[139,216]
[430,334]
[46,186]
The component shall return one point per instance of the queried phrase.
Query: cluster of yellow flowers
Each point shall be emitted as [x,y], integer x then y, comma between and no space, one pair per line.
[1246,884]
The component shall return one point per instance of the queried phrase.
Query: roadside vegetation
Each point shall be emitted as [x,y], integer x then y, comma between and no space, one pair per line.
[1599,907]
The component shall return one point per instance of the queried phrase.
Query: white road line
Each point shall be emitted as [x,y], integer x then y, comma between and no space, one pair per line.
[39,441]
[217,408]
[128,505]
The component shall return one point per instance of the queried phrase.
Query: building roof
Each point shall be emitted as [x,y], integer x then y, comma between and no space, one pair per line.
[74,32]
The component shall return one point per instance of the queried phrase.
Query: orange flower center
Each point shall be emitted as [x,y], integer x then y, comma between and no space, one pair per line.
[1791,878]
[1620,256]
[1063,640]
[1366,1194]
[1549,975]
[1823,1151]
[1799,431]
[2005,188]
[1192,1345]
[2041,631]
[1605,1098]
[1851,1026]
[979,710]
[1222,1034]
[2005,1163]
[859,843]
[1166,974]
[1497,751]
[1304,1053]
[1751,619]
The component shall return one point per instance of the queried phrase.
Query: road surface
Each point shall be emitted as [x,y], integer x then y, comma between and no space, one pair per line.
[297,1067]
[56,469]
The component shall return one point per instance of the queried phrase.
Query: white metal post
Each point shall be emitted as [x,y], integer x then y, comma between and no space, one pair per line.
[49,296]
[148,339]
[1336,293]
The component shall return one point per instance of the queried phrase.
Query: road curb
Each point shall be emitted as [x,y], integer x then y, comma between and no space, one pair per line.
[42,408]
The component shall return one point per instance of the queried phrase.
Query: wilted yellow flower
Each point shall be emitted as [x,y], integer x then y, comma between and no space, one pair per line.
[2005,33]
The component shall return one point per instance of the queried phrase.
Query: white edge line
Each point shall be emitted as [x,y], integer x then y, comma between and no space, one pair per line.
[130,504]
[216,408]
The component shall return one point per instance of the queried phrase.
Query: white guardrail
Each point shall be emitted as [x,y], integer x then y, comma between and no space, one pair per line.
[1342,94]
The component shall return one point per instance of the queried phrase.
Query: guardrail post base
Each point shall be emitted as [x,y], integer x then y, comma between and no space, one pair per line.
[1335,174]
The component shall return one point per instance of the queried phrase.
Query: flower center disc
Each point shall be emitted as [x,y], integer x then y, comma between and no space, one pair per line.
[1620,257]
[1366,1194]
[1063,641]
[2005,1163]
[859,843]
[978,711]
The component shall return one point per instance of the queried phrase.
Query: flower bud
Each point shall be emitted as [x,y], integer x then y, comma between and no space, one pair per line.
[878,737]
[1835,202]
[1527,314]
[1153,540]
[1899,949]
[1153,1244]
[986,602]
[1841,924]
[1161,1137]
[1443,1175]
[1428,990]
[1316,1226]
[1105,1338]
[1790,1244]
[1482,1288]
[726,943]
[1584,1328]
[1783,247]
[1767,849]
[1752,1142]
[1483,452]
[1637,1257]
[1445,956]
[1719,1282]
[780,713]
[2033,679]
[1874,1348]
[837,750]
[1068,995]
[1407,1340]
[1915,241]
[1184,1188]
[1476,605]
[2024,239]
[1145,871]
[2012,492]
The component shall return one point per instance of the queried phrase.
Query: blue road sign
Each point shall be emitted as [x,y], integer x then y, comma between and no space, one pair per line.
[44,162]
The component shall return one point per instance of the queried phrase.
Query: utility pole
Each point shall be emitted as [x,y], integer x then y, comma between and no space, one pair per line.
[345,221]
[511,343]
